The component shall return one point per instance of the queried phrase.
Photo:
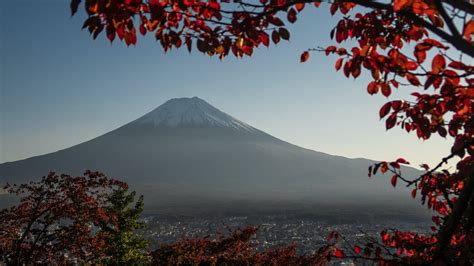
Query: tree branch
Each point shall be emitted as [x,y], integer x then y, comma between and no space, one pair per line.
[448,229]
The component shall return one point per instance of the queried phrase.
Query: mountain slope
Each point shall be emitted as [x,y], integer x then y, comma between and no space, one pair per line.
[187,151]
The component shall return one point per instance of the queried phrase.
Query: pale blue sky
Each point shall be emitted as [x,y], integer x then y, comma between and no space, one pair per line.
[60,88]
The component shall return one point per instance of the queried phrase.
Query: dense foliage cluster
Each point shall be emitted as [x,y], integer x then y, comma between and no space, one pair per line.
[235,249]
[66,219]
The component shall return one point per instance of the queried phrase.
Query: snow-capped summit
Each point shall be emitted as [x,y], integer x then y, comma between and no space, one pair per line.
[190,112]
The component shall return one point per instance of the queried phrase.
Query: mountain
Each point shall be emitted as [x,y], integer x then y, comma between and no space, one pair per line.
[188,153]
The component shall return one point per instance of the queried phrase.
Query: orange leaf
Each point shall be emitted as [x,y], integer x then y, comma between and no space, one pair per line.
[469,30]
[304,56]
[438,64]
[401,4]
[299,6]
[372,88]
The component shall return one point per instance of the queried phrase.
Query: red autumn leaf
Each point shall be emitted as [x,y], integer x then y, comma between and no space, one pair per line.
[142,29]
[385,88]
[284,33]
[330,49]
[413,80]
[457,65]
[120,31]
[275,37]
[356,249]
[401,4]
[264,38]
[420,55]
[372,88]
[385,109]
[333,9]
[339,63]
[396,105]
[304,56]
[356,71]
[438,64]
[402,161]
[411,65]
[391,121]
[341,51]
[424,46]
[299,6]
[429,81]
[413,193]
[435,43]
[393,181]
[347,68]
[291,15]
[338,253]
[469,30]
[394,83]
[276,21]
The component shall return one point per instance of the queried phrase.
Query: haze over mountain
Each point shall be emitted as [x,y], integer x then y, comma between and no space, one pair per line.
[186,151]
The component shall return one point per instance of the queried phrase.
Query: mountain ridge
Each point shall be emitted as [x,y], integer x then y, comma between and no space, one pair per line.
[206,158]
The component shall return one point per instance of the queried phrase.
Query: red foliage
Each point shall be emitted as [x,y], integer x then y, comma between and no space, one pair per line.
[55,218]
[392,41]
[235,249]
